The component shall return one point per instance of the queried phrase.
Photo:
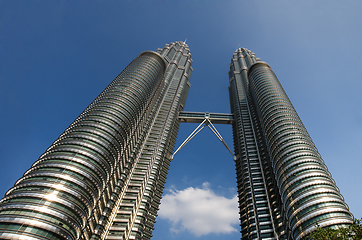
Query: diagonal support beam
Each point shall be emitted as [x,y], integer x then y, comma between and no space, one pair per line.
[193,134]
[205,122]
[218,135]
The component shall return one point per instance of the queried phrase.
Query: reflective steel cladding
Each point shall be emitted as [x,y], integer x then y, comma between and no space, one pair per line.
[103,177]
[284,187]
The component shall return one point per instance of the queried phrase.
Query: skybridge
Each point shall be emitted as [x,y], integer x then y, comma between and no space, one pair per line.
[198,117]
[205,119]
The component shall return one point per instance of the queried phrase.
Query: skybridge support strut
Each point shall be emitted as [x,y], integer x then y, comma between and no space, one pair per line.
[205,119]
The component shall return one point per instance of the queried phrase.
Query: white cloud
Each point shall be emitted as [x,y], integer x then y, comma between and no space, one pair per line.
[199,211]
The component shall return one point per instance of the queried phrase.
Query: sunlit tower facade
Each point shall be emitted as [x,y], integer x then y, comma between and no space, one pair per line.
[284,186]
[103,177]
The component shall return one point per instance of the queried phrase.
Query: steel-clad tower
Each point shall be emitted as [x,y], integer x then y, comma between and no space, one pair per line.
[284,187]
[104,176]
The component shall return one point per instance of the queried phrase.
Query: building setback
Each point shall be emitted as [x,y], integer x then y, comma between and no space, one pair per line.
[104,176]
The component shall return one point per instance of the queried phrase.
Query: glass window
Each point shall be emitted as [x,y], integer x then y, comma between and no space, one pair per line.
[183,61]
[171,53]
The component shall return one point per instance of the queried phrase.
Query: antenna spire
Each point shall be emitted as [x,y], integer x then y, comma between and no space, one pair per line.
[185,40]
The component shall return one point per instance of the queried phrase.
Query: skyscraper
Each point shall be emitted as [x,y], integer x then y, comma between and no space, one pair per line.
[284,187]
[103,177]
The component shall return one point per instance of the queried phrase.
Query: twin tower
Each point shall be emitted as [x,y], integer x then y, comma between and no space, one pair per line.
[104,176]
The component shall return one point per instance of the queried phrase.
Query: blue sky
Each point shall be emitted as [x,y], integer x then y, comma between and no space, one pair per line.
[57,56]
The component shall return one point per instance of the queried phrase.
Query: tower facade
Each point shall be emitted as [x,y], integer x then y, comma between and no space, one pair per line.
[284,186]
[103,177]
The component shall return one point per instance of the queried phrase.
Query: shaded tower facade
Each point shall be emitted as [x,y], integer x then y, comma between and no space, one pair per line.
[284,186]
[103,177]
